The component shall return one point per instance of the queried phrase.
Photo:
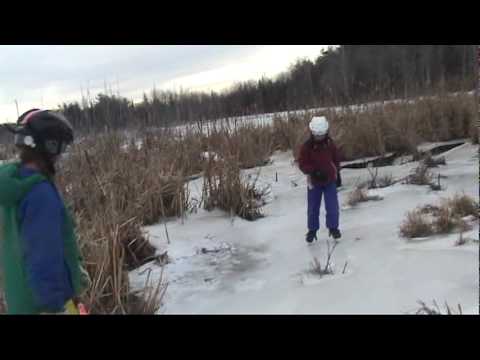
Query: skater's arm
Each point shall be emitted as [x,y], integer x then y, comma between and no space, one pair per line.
[336,155]
[304,162]
[41,233]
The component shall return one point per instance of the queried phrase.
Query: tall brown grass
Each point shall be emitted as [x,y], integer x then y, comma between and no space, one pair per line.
[396,127]
[224,188]
[114,192]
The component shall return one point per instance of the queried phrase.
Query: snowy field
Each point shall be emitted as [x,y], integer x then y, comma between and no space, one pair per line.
[220,265]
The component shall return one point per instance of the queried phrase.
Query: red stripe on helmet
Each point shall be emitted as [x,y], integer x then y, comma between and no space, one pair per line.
[29,117]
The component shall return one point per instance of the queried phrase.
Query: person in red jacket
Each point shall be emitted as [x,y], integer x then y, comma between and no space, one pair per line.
[320,160]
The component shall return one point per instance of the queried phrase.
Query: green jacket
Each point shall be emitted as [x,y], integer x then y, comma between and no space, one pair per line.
[18,295]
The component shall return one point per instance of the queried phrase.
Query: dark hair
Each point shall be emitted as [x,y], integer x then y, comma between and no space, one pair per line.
[45,163]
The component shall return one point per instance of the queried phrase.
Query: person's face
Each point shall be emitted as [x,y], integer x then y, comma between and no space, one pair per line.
[319,138]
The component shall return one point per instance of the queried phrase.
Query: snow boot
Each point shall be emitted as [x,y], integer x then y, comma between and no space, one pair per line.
[335,233]
[311,235]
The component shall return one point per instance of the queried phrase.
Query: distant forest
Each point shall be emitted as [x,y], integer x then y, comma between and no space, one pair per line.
[338,76]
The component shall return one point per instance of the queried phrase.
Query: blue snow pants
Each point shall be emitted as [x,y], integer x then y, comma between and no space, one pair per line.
[329,191]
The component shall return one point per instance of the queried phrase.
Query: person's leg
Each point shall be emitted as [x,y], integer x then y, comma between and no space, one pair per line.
[314,201]
[331,206]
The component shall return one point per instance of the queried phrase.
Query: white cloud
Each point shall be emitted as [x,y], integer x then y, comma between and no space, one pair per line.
[54,74]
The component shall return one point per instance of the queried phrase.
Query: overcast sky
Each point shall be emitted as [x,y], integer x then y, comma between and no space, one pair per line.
[45,76]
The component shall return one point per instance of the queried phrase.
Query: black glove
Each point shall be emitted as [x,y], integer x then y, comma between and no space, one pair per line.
[339,179]
[319,176]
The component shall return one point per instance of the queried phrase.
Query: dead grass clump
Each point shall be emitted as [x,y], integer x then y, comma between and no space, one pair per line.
[443,219]
[224,188]
[463,205]
[435,309]
[420,176]
[316,266]
[416,225]
[359,195]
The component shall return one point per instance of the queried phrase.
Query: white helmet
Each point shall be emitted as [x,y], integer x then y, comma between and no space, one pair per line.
[319,125]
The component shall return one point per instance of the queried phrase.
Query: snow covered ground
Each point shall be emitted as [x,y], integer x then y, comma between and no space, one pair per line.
[219,265]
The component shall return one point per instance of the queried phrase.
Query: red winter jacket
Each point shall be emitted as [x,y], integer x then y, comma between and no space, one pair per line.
[323,156]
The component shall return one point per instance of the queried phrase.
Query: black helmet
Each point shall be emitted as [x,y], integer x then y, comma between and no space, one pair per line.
[43,130]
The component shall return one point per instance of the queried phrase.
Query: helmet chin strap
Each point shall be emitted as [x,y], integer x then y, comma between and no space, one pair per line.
[51,166]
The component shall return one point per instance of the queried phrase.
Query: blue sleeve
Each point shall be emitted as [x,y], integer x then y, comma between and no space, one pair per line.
[41,219]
